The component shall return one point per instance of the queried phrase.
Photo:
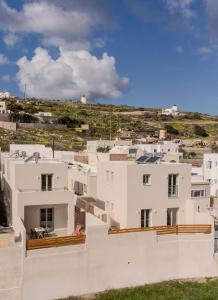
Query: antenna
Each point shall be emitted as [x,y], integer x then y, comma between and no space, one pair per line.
[15,153]
[110,122]
[23,154]
[36,156]
[53,146]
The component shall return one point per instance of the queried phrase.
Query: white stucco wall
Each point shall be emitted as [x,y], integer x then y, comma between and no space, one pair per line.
[116,261]
[120,186]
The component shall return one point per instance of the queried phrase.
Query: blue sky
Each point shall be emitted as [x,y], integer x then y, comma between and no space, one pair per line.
[142,52]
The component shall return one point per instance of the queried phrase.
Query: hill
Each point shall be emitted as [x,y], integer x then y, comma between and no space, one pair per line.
[104,121]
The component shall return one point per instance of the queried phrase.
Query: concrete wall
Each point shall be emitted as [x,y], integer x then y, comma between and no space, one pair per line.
[112,189]
[8,125]
[120,186]
[41,126]
[155,195]
[28,175]
[210,171]
[116,261]
[11,272]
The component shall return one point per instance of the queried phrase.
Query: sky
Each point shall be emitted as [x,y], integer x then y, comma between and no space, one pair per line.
[147,53]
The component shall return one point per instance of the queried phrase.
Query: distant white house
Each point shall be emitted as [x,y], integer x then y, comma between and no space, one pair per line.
[43,114]
[2,107]
[5,95]
[83,100]
[173,111]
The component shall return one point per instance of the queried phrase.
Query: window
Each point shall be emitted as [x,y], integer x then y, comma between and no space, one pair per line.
[47,217]
[146,179]
[112,176]
[172,216]
[132,151]
[198,193]
[209,164]
[85,188]
[46,182]
[173,185]
[107,175]
[145,218]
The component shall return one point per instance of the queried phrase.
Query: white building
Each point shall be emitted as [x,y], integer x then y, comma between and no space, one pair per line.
[83,99]
[39,193]
[173,111]
[44,114]
[36,191]
[210,171]
[93,146]
[5,95]
[131,194]
[3,109]
[168,149]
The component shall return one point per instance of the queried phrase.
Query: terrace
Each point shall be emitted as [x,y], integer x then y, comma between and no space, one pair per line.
[81,238]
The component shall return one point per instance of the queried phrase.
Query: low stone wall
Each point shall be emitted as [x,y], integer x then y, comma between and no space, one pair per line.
[4,117]
[41,126]
[8,125]
[14,126]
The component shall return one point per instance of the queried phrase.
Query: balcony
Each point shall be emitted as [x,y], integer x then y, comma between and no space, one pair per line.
[38,197]
[173,191]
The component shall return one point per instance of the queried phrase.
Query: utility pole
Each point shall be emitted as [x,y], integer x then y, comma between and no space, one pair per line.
[110,124]
[24,94]
[53,146]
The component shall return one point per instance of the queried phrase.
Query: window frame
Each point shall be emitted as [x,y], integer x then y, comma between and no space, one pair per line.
[48,212]
[146,218]
[173,185]
[148,182]
[170,216]
[48,182]
[202,195]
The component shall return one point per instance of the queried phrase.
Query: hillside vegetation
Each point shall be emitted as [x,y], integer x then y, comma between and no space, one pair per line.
[104,122]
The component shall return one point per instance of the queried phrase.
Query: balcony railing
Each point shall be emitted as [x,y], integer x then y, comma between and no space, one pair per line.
[173,191]
[55,242]
[177,229]
[40,190]
[59,241]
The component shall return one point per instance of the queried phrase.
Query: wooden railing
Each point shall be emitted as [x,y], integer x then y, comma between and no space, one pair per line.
[177,229]
[74,240]
[55,242]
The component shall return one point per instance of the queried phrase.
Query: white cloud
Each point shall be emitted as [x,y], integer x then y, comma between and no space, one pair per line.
[182,7]
[58,23]
[10,39]
[179,49]
[71,75]
[3,59]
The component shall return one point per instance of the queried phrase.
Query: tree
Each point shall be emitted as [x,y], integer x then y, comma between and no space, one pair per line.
[70,122]
[171,130]
[22,118]
[14,107]
[200,131]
